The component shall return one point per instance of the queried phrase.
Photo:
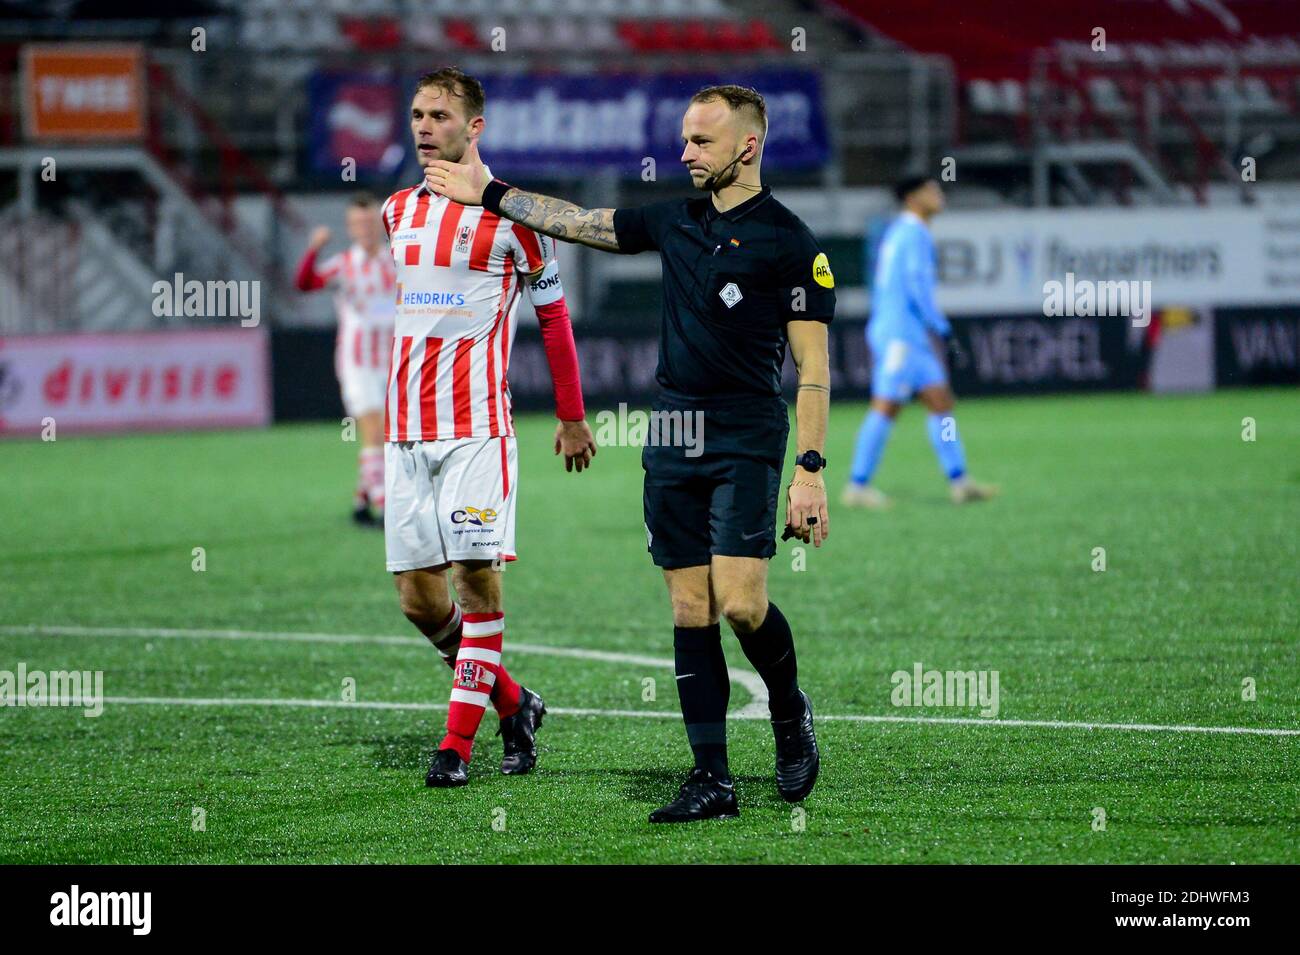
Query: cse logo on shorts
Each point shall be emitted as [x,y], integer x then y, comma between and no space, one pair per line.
[478,516]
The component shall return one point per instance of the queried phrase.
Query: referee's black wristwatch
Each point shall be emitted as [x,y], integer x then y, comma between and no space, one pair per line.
[811,461]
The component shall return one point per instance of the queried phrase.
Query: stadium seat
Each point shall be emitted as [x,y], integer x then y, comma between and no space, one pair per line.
[382,33]
[461,33]
[564,33]
[601,35]
[322,33]
[524,33]
[695,36]
[661,37]
[761,36]
[426,31]
[631,33]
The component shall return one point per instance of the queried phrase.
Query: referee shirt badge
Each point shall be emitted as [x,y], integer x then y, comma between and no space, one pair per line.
[730,294]
[822,271]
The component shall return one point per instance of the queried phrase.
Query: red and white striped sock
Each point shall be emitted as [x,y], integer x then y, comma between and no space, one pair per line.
[371,466]
[478,670]
[446,640]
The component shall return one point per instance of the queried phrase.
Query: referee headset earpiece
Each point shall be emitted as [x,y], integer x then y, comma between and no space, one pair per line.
[709,183]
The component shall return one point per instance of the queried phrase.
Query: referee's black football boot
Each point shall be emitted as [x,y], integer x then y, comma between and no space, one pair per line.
[797,759]
[447,770]
[702,796]
[518,734]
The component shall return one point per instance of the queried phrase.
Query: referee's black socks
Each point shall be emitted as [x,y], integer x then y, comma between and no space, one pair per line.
[704,689]
[770,649]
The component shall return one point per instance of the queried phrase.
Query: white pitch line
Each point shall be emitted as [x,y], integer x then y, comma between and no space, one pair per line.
[1065,724]
[752,682]
[756,709]
[368,705]
[666,714]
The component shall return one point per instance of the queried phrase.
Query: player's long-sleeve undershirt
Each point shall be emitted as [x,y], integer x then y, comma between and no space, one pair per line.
[562,358]
[307,278]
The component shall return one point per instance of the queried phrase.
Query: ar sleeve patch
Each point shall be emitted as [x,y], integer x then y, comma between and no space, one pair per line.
[821,268]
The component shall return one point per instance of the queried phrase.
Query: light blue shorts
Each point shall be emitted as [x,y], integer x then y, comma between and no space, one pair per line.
[901,369]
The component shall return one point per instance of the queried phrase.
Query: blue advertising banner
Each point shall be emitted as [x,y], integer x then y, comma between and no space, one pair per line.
[615,122]
[563,124]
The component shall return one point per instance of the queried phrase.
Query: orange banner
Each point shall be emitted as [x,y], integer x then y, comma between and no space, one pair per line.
[83,91]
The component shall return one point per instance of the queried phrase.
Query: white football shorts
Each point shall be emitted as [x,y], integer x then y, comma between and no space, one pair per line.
[364,389]
[449,500]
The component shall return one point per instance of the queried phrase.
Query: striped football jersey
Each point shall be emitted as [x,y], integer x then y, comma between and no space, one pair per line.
[460,270]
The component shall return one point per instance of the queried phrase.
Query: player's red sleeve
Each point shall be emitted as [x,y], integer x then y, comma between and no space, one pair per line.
[562,357]
[308,279]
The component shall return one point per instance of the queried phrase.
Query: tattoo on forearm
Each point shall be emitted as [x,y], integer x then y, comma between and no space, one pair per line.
[821,388]
[560,219]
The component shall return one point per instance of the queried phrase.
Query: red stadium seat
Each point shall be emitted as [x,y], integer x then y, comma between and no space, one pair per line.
[632,33]
[462,34]
[661,37]
[731,37]
[696,36]
[759,36]
[380,33]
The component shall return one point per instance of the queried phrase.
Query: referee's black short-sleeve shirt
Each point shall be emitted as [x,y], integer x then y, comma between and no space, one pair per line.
[731,282]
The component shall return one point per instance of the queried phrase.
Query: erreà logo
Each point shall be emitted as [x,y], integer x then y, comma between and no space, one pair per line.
[822,271]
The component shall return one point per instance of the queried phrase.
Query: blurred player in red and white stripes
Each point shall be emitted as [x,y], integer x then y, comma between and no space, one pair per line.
[450,458]
[363,279]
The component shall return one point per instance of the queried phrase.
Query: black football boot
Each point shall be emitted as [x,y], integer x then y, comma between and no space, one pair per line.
[518,734]
[797,759]
[447,769]
[702,796]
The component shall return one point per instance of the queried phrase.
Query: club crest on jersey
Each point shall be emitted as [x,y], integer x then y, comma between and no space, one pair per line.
[463,237]
[468,674]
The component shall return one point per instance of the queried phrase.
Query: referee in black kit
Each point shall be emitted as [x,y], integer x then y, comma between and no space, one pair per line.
[742,277]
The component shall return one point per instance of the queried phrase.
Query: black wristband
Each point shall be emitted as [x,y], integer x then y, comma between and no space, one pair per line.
[493,193]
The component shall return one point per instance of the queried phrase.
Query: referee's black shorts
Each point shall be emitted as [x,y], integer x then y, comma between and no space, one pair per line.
[718,495]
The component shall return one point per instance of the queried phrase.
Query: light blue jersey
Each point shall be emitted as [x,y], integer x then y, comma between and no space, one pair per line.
[904,313]
[902,292]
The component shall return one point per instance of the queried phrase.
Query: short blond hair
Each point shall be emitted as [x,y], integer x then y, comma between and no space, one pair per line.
[745,100]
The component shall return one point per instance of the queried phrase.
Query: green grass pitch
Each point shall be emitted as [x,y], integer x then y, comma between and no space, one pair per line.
[1198,595]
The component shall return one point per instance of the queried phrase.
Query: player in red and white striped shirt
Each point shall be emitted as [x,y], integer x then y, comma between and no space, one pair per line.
[362,278]
[450,459]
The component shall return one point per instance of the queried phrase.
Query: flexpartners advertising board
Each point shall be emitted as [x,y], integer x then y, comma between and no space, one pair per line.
[996,262]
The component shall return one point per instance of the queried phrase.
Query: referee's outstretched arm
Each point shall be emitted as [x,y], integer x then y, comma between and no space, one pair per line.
[467,182]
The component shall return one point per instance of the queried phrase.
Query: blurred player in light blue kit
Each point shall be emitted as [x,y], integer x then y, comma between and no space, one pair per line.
[906,333]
